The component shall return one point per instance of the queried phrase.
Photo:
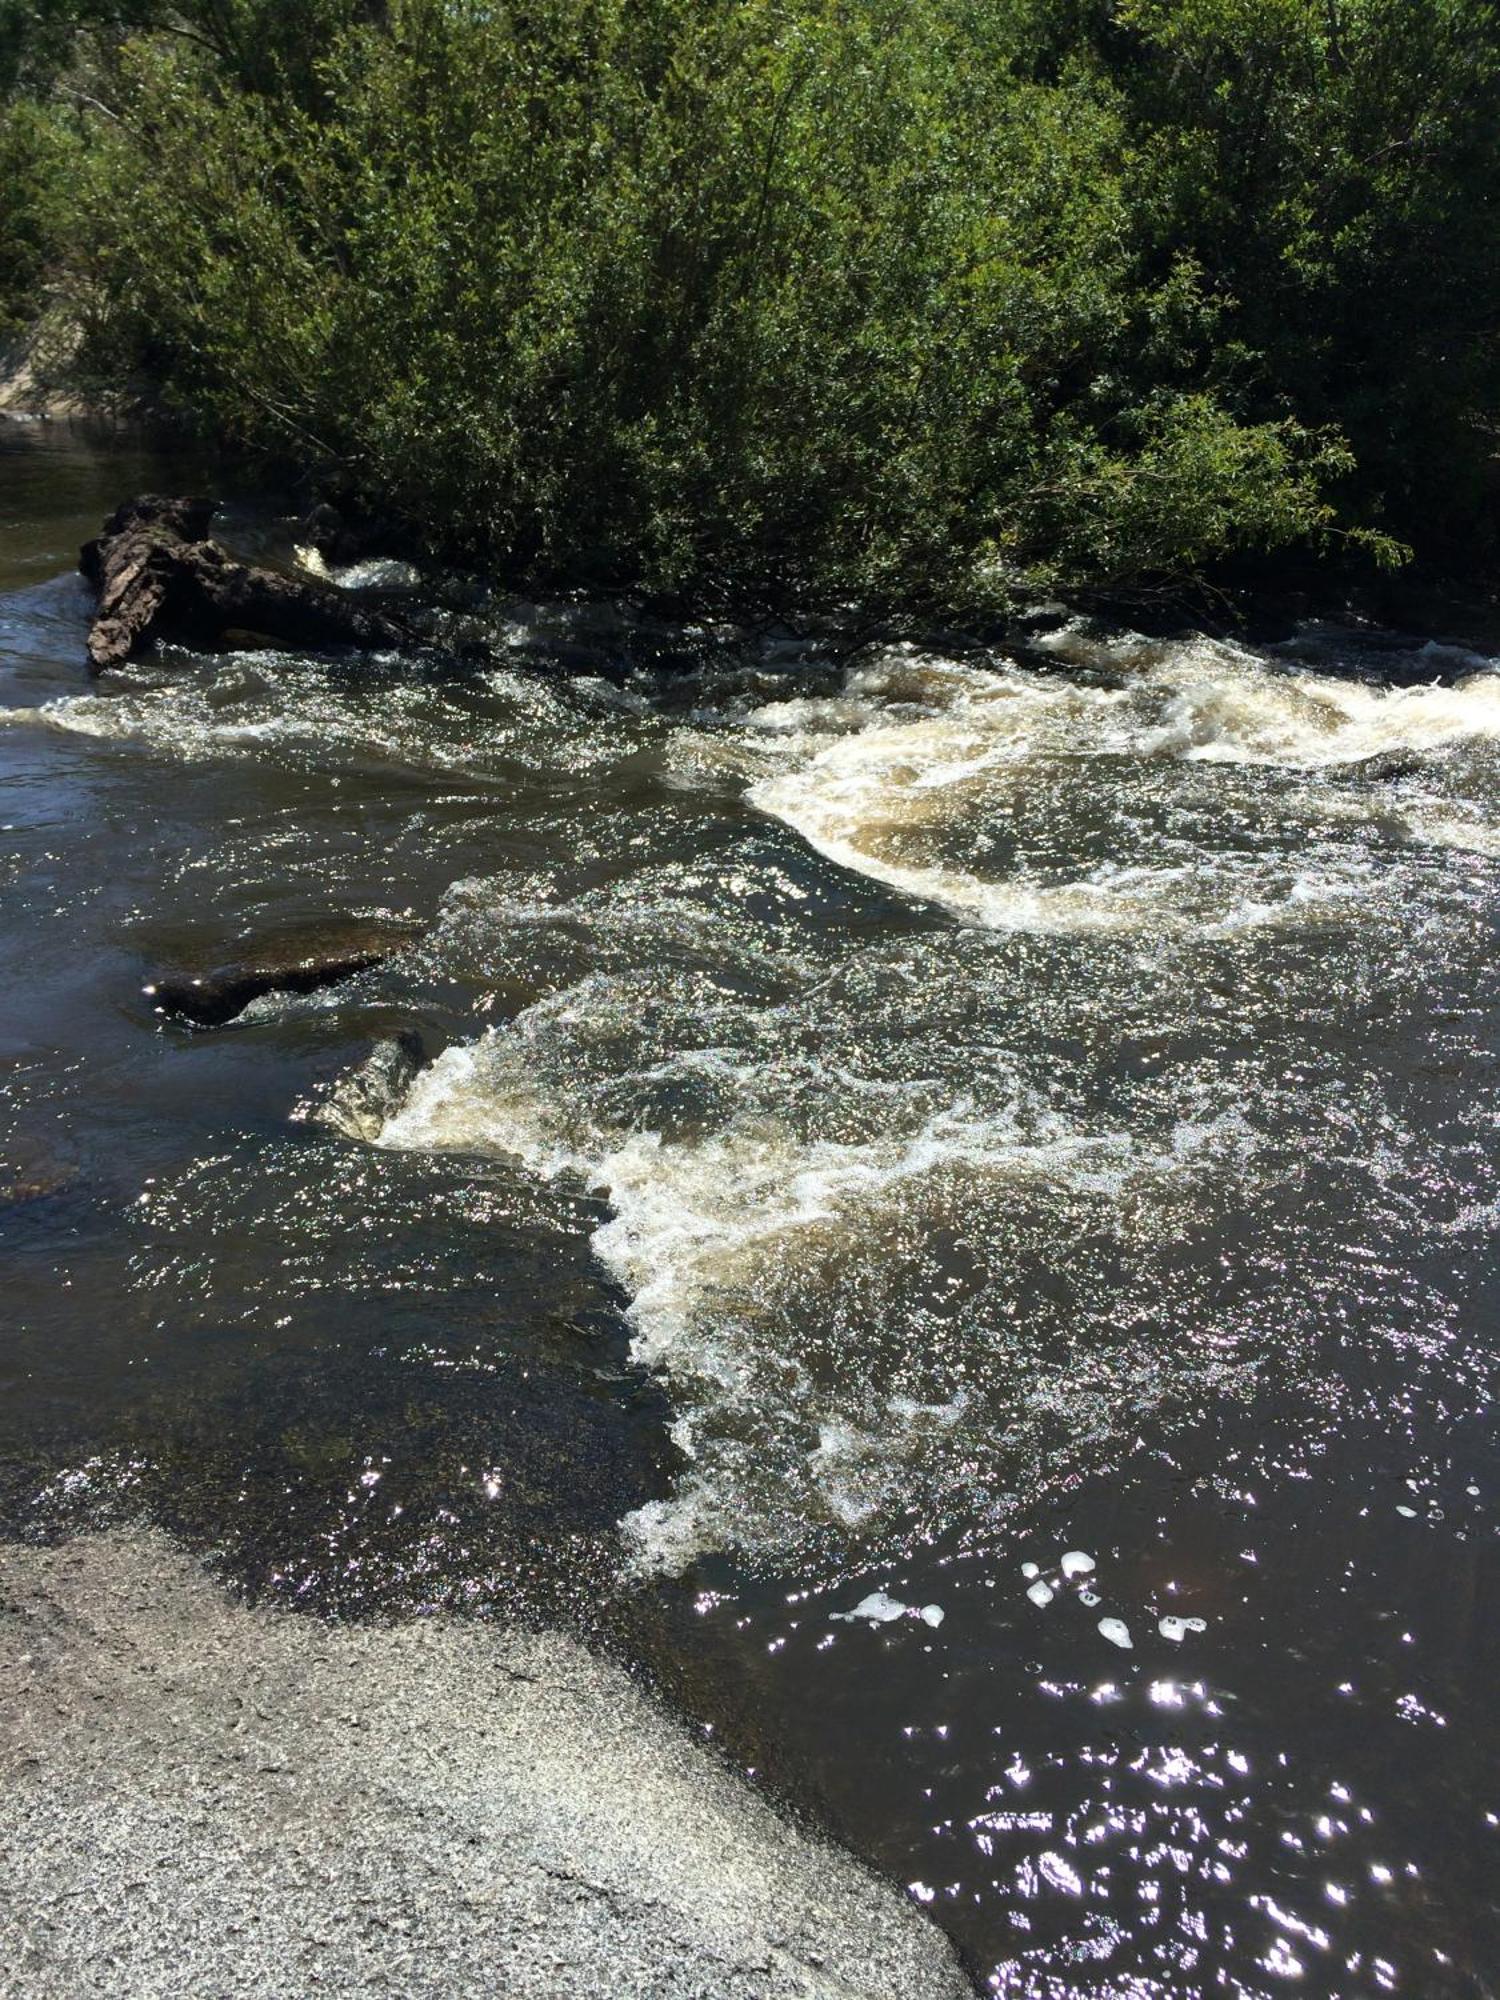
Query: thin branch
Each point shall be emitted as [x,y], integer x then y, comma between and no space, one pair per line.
[90,103]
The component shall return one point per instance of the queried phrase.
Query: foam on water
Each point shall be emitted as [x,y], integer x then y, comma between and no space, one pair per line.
[852,1232]
[373,573]
[712,1233]
[1307,721]
[857,1226]
[307,713]
[1466,835]
[878,1608]
[924,775]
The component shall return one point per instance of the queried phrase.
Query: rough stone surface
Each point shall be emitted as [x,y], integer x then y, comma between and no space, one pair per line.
[201,1799]
[159,577]
[300,960]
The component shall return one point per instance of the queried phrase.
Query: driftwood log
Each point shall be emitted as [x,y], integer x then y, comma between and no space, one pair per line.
[159,577]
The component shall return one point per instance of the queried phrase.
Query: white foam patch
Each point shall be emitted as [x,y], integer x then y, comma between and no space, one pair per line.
[1461,835]
[703,1227]
[864,770]
[684,1212]
[915,746]
[1249,715]
[284,707]
[877,1608]
[881,1609]
[1177,1629]
[378,573]
[373,573]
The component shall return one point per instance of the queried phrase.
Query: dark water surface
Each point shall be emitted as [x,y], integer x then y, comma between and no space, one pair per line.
[886,1124]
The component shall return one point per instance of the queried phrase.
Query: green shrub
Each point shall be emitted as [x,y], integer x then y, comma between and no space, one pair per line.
[1336,165]
[916,303]
[33,155]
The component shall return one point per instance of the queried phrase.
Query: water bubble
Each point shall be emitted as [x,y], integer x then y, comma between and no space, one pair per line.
[877,1607]
[1177,1629]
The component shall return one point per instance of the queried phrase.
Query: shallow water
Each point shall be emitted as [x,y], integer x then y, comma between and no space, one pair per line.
[888,1122]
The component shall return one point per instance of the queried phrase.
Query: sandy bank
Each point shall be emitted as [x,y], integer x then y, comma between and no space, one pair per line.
[25,388]
[197,1798]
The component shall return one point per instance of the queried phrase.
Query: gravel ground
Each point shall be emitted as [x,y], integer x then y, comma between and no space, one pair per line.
[201,1799]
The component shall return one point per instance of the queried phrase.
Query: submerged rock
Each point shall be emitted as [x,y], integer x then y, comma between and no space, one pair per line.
[159,577]
[298,961]
[33,1174]
[368,1096]
[1393,770]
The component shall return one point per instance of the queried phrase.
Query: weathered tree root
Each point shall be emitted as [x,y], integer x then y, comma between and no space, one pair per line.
[160,577]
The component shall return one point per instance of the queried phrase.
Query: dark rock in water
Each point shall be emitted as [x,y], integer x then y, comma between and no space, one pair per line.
[159,577]
[370,1095]
[299,961]
[33,1174]
[1391,770]
[324,528]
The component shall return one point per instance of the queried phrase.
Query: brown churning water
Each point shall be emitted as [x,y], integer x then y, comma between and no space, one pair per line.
[949,1204]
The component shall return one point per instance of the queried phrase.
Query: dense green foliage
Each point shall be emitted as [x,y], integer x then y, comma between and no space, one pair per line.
[915,301]
[30,166]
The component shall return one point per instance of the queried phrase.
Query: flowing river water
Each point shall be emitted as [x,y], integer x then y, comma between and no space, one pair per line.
[947,1209]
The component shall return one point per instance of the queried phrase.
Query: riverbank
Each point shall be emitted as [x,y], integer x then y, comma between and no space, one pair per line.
[201,1797]
[29,389]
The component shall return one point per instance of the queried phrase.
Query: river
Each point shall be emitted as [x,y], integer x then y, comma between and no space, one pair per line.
[948,1213]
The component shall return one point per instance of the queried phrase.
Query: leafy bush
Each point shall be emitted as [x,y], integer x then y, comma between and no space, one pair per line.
[1335,165]
[33,154]
[916,303]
